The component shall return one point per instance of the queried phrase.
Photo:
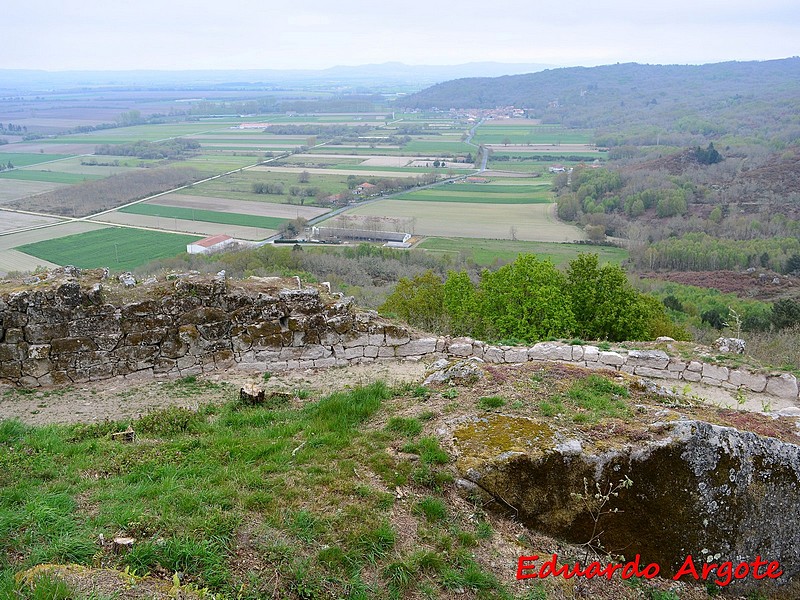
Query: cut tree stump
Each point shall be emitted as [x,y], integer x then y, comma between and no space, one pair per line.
[128,435]
[251,394]
[122,545]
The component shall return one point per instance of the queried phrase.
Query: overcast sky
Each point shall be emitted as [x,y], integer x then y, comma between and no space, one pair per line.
[253,34]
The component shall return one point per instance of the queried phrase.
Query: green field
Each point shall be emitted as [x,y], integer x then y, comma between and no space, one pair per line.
[207,216]
[118,248]
[483,194]
[531,134]
[487,252]
[48,176]
[24,159]
[239,186]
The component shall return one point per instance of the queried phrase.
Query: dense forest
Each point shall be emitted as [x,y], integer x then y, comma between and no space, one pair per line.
[643,104]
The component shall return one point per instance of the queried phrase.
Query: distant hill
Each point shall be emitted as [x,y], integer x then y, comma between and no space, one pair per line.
[623,93]
[415,76]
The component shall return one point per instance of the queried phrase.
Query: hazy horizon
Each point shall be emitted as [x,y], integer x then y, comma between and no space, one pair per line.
[50,35]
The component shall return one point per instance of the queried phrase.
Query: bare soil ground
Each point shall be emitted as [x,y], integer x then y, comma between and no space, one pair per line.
[14,260]
[87,148]
[130,397]
[37,235]
[262,209]
[133,396]
[756,285]
[14,189]
[10,221]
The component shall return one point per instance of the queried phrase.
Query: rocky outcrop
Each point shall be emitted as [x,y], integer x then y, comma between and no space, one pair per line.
[698,489]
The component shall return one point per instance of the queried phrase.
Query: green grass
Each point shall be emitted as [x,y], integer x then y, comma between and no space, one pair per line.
[24,159]
[207,216]
[120,249]
[48,176]
[191,489]
[531,134]
[487,252]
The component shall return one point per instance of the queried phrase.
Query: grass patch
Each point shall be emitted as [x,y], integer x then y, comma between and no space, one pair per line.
[487,252]
[48,176]
[121,249]
[489,402]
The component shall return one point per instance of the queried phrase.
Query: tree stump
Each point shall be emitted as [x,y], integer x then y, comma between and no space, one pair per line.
[251,394]
[129,435]
[122,545]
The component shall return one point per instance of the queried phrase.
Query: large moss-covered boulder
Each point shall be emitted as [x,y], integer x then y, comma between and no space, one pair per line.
[697,489]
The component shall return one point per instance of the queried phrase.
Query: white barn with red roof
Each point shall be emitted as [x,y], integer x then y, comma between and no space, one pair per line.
[209,244]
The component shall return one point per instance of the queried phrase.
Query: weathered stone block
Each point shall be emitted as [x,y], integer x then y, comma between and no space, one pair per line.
[752,381]
[550,351]
[611,358]
[676,365]
[577,353]
[493,354]
[355,352]
[314,352]
[783,386]
[654,359]
[325,362]
[657,373]
[15,335]
[691,375]
[460,347]
[715,372]
[387,351]
[695,366]
[591,353]
[417,347]
[371,351]
[516,355]
[71,345]
[10,352]
[353,340]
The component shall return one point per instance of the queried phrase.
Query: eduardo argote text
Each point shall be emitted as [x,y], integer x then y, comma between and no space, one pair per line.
[722,573]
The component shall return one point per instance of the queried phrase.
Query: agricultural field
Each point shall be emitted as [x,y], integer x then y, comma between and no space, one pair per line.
[531,222]
[483,194]
[117,248]
[24,159]
[518,134]
[11,259]
[207,216]
[488,252]
[199,229]
[226,205]
[47,176]
[10,221]
[239,186]
[16,189]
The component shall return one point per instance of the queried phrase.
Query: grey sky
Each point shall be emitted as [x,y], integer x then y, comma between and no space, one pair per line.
[253,34]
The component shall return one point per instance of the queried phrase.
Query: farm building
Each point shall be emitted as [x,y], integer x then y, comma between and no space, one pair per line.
[209,244]
[366,189]
[346,233]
